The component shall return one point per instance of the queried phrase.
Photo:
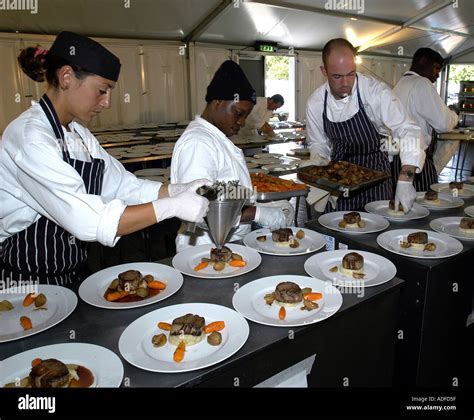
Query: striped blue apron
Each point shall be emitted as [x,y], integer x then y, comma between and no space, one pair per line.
[356,140]
[44,251]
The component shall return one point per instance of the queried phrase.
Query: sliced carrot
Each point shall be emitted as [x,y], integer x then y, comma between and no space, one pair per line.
[26,323]
[113,296]
[201,265]
[35,362]
[237,263]
[156,285]
[164,326]
[214,326]
[282,313]
[178,355]
[313,296]
[29,299]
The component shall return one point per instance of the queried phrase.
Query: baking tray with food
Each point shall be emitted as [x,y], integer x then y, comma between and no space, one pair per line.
[341,176]
[272,188]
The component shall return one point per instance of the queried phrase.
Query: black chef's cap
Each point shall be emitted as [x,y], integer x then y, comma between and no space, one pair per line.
[230,83]
[87,54]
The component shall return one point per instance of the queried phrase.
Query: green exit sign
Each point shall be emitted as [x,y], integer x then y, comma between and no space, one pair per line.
[266,47]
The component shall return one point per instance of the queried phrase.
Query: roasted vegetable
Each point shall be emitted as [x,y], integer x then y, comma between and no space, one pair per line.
[40,300]
[142,292]
[201,265]
[26,323]
[178,355]
[300,234]
[236,257]
[159,340]
[214,339]
[6,305]
[219,266]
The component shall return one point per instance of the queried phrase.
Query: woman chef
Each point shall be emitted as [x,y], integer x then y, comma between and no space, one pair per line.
[205,150]
[58,188]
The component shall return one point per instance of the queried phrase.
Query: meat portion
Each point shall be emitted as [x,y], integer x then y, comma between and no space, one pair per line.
[457,185]
[188,324]
[282,235]
[417,238]
[50,373]
[431,195]
[130,280]
[391,205]
[467,223]
[288,292]
[221,255]
[352,217]
[353,261]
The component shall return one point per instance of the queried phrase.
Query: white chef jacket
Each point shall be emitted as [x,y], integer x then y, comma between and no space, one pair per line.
[424,105]
[35,181]
[257,117]
[204,151]
[381,106]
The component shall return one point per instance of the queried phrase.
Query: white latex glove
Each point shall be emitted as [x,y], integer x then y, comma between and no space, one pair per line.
[187,206]
[405,194]
[175,189]
[270,217]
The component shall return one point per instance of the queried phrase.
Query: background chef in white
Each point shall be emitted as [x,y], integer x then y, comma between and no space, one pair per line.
[260,115]
[205,150]
[426,108]
[59,189]
[357,112]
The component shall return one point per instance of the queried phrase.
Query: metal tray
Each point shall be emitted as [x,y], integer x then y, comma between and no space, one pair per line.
[316,181]
[281,195]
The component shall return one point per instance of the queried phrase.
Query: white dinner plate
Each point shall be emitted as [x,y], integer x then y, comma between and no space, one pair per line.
[445,245]
[281,167]
[117,139]
[155,178]
[450,226]
[104,364]
[117,149]
[377,269]
[137,154]
[267,161]
[92,289]
[61,302]
[136,347]
[373,222]
[381,208]
[249,301]
[186,260]
[469,211]
[466,192]
[258,171]
[162,152]
[311,242]
[252,165]
[446,201]
[152,172]
[267,155]
[141,138]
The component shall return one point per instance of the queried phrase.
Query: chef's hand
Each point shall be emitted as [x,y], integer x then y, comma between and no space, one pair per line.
[187,206]
[175,189]
[405,194]
[270,217]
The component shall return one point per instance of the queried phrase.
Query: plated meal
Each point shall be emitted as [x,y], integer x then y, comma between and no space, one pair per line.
[67,365]
[289,295]
[455,189]
[351,268]
[435,200]
[387,209]
[285,241]
[287,300]
[457,227]
[24,314]
[353,222]
[206,261]
[419,243]
[130,285]
[188,330]
[52,373]
[183,337]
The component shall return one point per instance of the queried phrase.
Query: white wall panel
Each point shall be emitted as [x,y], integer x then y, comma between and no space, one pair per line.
[203,64]
[165,99]
[309,78]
